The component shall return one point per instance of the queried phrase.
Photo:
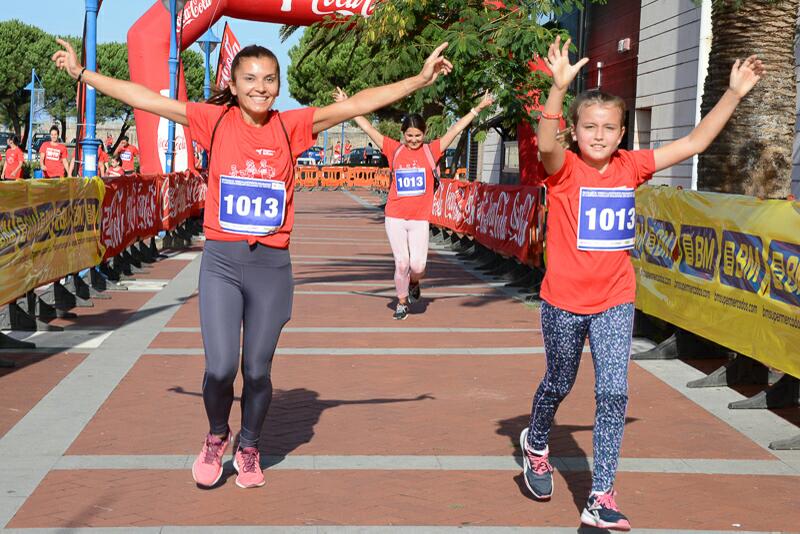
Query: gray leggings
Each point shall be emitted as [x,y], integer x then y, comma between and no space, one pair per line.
[249,288]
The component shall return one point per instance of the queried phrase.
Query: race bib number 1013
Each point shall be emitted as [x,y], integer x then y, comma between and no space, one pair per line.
[606,219]
[251,206]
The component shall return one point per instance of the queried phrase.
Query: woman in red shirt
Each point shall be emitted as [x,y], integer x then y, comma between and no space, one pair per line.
[408,207]
[246,275]
[14,158]
[590,286]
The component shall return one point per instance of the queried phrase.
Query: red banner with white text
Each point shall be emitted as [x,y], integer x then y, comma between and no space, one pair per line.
[504,218]
[130,212]
[182,195]
[228,49]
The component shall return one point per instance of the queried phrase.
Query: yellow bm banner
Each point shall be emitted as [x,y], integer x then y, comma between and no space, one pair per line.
[725,267]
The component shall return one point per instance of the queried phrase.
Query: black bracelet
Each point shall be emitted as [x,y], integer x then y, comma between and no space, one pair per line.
[81,74]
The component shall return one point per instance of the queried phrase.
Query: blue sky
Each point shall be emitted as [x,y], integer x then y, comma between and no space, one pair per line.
[116,16]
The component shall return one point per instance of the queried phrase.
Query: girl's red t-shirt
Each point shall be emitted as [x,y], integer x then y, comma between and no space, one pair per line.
[413,175]
[588,281]
[245,151]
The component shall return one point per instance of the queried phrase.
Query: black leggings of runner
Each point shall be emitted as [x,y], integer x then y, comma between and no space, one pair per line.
[249,288]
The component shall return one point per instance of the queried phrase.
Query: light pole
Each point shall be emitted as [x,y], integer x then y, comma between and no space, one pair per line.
[89,143]
[174,6]
[32,88]
[208,42]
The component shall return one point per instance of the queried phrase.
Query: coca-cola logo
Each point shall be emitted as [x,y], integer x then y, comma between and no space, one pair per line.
[192,11]
[113,222]
[343,7]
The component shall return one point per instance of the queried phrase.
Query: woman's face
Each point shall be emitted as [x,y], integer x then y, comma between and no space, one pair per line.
[413,138]
[255,84]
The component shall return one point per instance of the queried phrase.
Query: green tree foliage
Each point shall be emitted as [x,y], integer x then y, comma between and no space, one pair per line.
[194,74]
[22,47]
[490,47]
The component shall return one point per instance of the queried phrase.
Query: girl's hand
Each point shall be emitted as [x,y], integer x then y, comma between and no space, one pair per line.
[339,95]
[435,65]
[745,75]
[67,60]
[557,61]
[486,101]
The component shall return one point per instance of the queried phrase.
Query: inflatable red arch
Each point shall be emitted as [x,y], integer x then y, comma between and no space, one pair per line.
[148,52]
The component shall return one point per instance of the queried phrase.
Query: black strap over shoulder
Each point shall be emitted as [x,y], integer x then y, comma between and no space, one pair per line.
[213,134]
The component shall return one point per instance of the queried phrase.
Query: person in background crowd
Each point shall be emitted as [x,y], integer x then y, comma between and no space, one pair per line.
[53,157]
[127,153]
[337,152]
[115,167]
[109,143]
[590,286]
[14,158]
[347,147]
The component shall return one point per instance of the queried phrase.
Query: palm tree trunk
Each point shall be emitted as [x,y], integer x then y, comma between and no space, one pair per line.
[753,154]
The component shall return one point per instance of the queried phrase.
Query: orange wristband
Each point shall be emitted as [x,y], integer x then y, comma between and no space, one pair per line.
[551,117]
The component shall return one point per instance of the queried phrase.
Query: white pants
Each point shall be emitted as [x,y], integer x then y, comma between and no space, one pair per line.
[409,242]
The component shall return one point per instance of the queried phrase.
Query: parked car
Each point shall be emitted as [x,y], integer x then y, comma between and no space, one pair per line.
[312,156]
[366,157]
[4,138]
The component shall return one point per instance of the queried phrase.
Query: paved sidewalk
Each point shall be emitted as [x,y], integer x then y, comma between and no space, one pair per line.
[376,425]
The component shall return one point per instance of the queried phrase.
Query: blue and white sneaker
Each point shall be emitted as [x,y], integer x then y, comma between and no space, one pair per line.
[602,512]
[537,471]
[401,312]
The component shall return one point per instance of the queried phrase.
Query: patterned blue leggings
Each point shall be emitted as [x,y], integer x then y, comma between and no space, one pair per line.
[610,340]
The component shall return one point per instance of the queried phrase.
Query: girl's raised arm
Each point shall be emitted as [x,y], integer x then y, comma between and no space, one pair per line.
[461,125]
[557,60]
[744,76]
[340,96]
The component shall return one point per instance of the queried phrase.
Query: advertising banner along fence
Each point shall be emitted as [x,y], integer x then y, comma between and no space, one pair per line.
[504,218]
[725,267]
[48,229]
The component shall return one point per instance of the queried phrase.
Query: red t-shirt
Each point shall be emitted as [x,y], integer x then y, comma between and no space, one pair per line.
[413,174]
[126,156]
[115,171]
[14,157]
[250,153]
[588,281]
[53,155]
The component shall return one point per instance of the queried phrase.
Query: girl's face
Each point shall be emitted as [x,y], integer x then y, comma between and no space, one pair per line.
[256,85]
[413,138]
[598,133]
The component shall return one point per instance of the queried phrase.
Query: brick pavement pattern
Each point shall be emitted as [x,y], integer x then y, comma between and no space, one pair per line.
[374,423]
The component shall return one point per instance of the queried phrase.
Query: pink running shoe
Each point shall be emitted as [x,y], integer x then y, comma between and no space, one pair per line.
[207,467]
[247,463]
[602,512]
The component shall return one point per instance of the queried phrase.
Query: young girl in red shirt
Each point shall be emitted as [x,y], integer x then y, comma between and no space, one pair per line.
[246,274]
[408,207]
[590,286]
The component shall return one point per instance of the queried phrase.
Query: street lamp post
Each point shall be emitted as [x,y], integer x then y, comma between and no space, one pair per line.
[208,42]
[89,142]
[174,6]
[32,88]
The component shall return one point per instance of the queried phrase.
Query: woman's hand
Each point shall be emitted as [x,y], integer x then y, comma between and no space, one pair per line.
[557,61]
[339,95]
[435,65]
[67,60]
[486,101]
[745,75]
